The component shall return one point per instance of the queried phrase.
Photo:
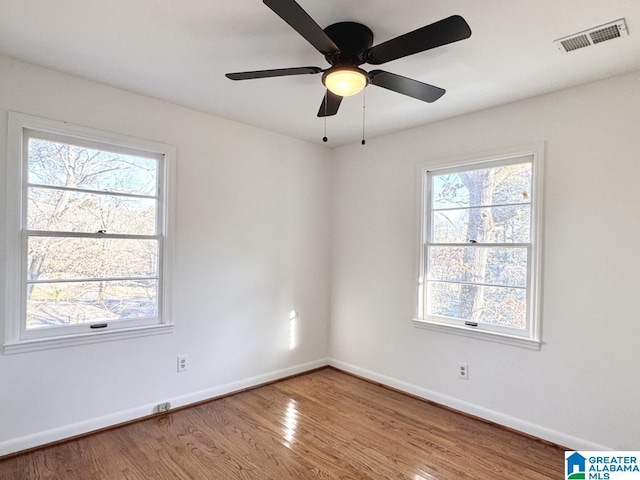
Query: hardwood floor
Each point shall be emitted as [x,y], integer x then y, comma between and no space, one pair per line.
[325,425]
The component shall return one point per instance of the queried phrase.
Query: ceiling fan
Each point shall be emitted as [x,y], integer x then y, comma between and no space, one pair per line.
[347,45]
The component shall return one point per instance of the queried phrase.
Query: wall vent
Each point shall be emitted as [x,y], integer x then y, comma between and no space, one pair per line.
[593,36]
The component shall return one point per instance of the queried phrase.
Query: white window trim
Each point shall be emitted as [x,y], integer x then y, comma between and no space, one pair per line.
[14,341]
[533,340]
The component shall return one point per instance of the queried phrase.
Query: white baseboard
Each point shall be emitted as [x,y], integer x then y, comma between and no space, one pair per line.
[88,426]
[472,409]
[91,425]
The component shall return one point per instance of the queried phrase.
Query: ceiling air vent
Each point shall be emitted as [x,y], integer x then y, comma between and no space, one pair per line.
[595,35]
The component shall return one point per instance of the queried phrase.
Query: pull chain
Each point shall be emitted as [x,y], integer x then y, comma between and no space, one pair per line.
[326,94]
[364,97]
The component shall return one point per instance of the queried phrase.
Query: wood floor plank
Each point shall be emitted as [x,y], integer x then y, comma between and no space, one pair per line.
[328,437]
[470,435]
[325,425]
[371,437]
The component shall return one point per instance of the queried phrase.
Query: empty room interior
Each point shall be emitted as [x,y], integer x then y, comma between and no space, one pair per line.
[297,239]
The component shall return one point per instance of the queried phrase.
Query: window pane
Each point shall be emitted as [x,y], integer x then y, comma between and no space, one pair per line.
[488,186]
[483,225]
[61,304]
[60,164]
[68,211]
[501,306]
[489,265]
[58,258]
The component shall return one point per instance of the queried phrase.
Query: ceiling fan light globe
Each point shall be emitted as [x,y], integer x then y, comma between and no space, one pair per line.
[345,82]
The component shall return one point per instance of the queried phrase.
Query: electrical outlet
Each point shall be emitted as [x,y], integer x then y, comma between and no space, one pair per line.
[162,407]
[182,363]
[463,371]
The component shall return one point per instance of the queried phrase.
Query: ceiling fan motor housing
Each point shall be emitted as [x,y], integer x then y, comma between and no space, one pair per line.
[353,39]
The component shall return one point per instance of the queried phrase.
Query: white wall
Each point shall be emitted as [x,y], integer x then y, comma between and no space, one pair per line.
[251,245]
[581,389]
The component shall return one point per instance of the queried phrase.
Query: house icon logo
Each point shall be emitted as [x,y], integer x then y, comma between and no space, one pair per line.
[576,466]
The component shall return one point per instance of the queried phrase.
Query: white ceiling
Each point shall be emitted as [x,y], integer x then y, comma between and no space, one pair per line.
[179,51]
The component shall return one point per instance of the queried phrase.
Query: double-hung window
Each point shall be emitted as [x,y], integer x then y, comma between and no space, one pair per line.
[480,248]
[90,233]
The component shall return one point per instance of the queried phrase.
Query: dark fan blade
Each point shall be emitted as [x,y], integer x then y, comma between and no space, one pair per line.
[278,72]
[406,86]
[330,104]
[294,15]
[448,30]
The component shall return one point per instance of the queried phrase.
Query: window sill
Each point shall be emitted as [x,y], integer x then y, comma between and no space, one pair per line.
[513,340]
[23,346]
